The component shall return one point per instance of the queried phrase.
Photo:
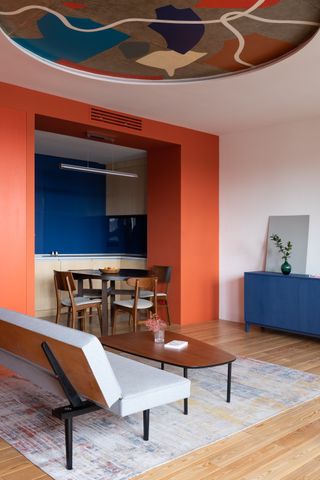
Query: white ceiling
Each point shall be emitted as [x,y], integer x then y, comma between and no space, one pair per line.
[285,91]
[64,146]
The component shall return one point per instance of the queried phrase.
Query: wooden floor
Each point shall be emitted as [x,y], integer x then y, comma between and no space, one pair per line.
[286,447]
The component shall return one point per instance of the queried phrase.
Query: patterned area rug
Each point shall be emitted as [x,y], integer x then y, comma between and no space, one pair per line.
[107,447]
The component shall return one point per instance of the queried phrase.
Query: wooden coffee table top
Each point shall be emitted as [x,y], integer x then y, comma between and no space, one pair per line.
[196,355]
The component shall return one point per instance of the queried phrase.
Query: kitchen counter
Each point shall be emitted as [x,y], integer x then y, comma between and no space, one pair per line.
[45,301]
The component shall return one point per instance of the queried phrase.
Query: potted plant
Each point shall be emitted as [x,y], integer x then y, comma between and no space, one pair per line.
[286,252]
[157,326]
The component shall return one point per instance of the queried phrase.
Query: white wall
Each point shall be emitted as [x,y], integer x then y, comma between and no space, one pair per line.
[269,171]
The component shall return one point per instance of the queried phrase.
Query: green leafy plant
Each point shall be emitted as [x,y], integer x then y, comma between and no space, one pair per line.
[284,249]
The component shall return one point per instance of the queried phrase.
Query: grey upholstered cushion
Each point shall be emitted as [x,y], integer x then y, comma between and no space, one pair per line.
[80,301]
[143,386]
[129,303]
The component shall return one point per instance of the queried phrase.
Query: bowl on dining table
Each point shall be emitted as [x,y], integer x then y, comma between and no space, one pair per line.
[109,270]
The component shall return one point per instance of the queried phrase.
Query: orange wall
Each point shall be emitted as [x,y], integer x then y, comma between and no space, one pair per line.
[16,213]
[164,215]
[182,210]
[200,230]
[183,225]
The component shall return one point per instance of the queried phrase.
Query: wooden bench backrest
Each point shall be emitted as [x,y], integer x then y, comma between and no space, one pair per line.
[81,355]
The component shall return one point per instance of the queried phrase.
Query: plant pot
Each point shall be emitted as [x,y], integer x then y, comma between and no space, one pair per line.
[159,336]
[286,268]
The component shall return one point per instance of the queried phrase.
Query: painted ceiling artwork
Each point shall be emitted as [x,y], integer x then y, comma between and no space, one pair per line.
[157,40]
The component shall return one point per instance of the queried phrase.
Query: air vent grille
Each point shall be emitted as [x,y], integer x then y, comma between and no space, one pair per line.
[111,118]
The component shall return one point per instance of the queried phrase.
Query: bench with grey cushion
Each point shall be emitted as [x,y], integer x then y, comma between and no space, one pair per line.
[85,373]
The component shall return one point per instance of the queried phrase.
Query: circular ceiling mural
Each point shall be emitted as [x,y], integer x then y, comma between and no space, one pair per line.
[156,40]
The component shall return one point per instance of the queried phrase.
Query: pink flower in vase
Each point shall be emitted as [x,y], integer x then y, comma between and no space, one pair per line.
[155,323]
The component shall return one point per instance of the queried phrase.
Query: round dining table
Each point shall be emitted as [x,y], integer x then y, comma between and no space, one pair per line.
[108,281]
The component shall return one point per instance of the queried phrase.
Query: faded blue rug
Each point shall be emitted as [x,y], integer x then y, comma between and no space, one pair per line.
[107,447]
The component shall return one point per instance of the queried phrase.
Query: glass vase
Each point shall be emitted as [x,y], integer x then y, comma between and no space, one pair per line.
[159,336]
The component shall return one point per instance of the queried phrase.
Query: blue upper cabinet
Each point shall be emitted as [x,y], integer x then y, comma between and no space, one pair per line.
[285,302]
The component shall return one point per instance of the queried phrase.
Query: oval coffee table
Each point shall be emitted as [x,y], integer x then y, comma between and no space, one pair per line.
[196,355]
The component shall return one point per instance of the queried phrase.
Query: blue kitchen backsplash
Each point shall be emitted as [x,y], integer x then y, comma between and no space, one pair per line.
[70,214]
[127,234]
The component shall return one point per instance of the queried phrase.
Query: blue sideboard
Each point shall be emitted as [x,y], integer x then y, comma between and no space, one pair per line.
[284,302]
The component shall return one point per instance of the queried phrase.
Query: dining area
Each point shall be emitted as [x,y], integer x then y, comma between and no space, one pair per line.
[112,294]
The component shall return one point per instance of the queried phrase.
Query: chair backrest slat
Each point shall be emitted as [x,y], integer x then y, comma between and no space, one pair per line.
[146,283]
[163,273]
[64,281]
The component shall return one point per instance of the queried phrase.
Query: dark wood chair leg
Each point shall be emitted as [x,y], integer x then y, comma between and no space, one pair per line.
[58,314]
[80,318]
[134,320]
[85,320]
[113,319]
[146,422]
[168,314]
[69,316]
[131,321]
[74,318]
[99,310]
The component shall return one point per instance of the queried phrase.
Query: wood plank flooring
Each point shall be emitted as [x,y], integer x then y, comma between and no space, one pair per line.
[286,447]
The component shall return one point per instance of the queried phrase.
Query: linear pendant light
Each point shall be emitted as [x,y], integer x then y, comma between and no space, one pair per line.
[100,171]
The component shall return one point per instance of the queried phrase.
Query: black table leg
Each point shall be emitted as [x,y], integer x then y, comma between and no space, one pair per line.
[146,421]
[229,383]
[185,401]
[112,288]
[80,287]
[162,366]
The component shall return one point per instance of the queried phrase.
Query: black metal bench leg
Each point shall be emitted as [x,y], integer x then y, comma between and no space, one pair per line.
[75,408]
[185,401]
[146,421]
[185,406]
[229,382]
[68,436]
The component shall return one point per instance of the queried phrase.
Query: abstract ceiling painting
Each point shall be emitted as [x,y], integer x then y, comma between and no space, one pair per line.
[153,40]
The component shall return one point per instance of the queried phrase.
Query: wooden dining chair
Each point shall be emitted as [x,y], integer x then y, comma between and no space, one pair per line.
[163,273]
[136,304]
[80,308]
[92,293]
